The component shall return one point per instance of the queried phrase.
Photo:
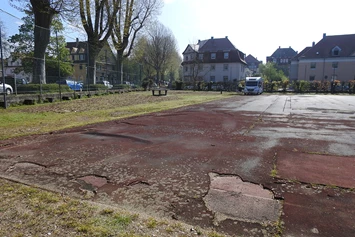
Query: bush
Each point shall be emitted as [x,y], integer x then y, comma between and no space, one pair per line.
[46,88]
[179,85]
[121,86]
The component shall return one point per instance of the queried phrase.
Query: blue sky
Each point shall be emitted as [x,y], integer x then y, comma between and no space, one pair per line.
[255,27]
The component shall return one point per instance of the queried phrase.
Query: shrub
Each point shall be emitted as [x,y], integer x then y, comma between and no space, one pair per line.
[46,88]
[121,86]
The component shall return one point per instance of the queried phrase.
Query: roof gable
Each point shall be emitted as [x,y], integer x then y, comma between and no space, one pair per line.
[251,59]
[214,45]
[327,47]
[284,53]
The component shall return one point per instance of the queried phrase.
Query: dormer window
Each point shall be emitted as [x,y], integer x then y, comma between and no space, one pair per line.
[213,55]
[336,51]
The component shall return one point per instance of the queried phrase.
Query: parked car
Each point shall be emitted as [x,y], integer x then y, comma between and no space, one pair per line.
[74,85]
[8,88]
[21,81]
[105,83]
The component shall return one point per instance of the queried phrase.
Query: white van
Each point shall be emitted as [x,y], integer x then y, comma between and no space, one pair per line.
[253,85]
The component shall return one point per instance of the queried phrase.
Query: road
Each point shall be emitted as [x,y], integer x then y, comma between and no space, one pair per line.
[246,165]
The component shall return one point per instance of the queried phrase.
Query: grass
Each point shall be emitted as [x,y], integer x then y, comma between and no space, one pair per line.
[29,211]
[42,118]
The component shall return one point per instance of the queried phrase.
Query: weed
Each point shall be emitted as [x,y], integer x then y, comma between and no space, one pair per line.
[152,223]
[215,234]
[273,172]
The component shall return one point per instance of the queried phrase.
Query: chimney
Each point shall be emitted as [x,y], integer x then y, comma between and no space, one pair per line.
[77,42]
[324,35]
[313,43]
[199,41]
[289,47]
[212,37]
[279,47]
[226,37]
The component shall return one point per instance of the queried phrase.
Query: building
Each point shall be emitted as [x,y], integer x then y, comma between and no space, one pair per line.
[332,58]
[105,62]
[253,63]
[12,69]
[282,59]
[213,60]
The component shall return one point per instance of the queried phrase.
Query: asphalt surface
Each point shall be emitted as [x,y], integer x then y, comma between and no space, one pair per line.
[246,165]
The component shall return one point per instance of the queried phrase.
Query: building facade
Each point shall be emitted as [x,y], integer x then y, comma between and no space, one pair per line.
[105,62]
[282,59]
[332,58]
[253,63]
[213,60]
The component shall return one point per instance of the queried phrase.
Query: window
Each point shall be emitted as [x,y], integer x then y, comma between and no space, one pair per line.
[186,69]
[313,65]
[225,78]
[81,67]
[311,78]
[213,67]
[76,57]
[336,51]
[186,58]
[335,64]
[200,56]
[213,55]
[225,67]
[226,55]
[82,56]
[212,78]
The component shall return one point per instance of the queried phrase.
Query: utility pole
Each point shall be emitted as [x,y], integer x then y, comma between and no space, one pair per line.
[3,73]
[58,58]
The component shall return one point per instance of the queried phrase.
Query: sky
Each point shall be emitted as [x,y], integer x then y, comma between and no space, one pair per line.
[255,27]
[258,27]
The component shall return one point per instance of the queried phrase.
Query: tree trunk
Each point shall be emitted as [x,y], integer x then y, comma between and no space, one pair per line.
[43,18]
[94,50]
[120,66]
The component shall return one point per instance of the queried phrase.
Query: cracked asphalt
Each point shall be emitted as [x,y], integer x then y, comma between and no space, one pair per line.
[246,165]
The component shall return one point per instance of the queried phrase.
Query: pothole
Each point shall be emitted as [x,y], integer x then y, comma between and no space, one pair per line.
[94,181]
[229,197]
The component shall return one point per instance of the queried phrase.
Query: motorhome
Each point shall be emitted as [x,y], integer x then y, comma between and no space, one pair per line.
[253,85]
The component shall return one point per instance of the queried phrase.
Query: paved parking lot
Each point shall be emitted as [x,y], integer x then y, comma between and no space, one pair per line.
[247,165]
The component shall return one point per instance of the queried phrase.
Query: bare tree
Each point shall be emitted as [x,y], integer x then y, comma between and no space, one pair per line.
[97,19]
[160,48]
[131,18]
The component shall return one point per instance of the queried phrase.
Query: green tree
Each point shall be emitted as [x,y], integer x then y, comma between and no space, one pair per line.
[44,11]
[23,48]
[268,71]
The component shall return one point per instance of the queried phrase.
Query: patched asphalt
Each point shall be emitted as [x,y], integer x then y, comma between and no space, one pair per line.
[246,165]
